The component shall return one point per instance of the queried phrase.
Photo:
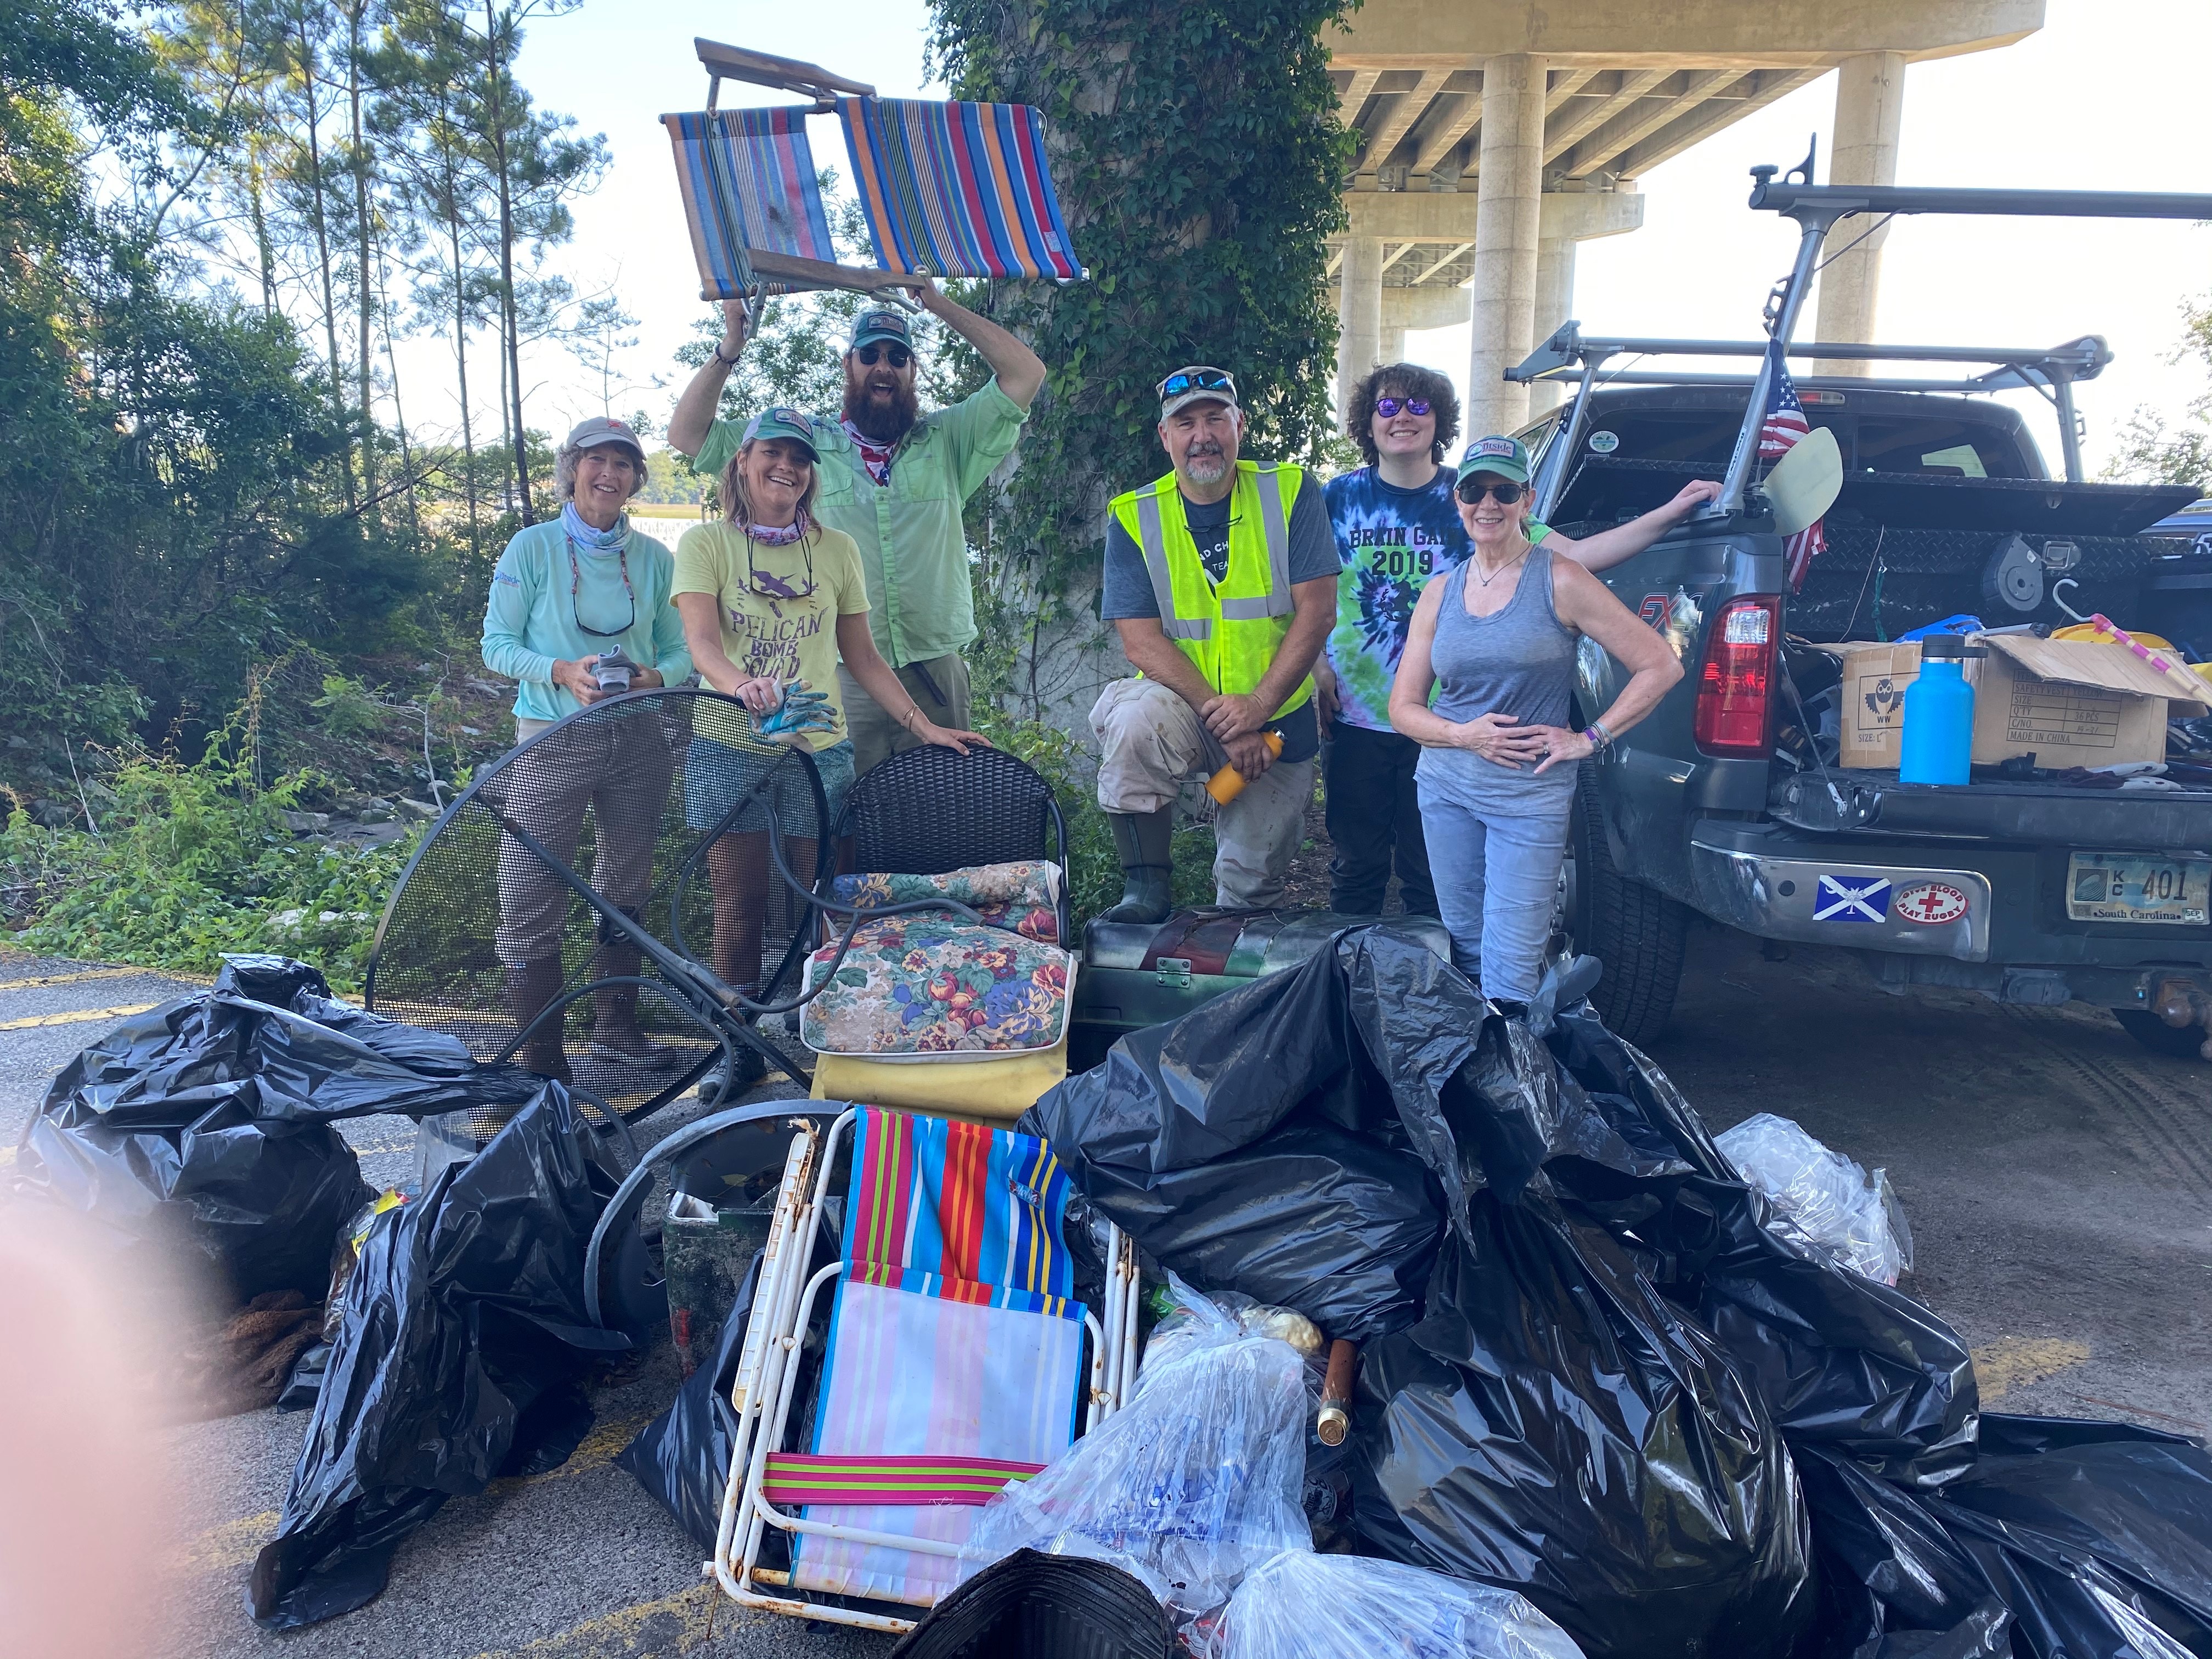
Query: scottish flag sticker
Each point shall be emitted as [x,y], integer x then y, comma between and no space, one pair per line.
[1851,898]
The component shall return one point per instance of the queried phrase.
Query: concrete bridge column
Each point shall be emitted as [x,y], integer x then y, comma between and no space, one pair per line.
[1555,303]
[1358,317]
[1507,222]
[1869,109]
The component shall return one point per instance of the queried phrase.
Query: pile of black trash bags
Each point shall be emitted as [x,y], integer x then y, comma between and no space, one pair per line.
[1591,1370]
[201,1131]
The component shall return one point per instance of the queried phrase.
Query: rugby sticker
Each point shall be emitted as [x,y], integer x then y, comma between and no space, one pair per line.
[1929,903]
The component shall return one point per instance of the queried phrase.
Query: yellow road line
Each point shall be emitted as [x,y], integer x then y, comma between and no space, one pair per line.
[605,1443]
[2016,1362]
[232,1544]
[674,1625]
[94,972]
[75,1016]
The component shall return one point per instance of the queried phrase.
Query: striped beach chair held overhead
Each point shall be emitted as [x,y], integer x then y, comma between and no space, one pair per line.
[749,184]
[958,190]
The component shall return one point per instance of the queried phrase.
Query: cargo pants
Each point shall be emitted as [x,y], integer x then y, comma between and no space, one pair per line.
[1150,740]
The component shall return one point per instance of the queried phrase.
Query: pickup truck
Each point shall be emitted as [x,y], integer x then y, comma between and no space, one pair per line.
[1726,802]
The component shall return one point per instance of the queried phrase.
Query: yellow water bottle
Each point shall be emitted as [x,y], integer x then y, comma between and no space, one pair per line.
[1228,783]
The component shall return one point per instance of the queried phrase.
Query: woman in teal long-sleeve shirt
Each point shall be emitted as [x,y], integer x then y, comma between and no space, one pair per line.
[563,594]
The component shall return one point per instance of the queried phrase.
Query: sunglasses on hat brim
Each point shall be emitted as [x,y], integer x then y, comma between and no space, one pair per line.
[1198,380]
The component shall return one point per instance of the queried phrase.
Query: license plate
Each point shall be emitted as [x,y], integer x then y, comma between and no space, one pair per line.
[2138,887]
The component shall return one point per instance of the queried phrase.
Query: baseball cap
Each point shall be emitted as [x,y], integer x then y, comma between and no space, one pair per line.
[782,423]
[605,429]
[881,323]
[1504,456]
[1197,383]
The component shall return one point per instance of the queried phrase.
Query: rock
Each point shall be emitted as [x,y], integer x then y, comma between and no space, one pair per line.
[369,835]
[421,811]
[306,823]
[287,922]
[376,809]
[54,814]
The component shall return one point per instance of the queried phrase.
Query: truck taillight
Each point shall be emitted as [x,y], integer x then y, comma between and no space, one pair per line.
[1736,689]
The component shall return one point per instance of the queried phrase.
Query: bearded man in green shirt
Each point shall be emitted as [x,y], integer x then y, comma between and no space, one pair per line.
[896,481]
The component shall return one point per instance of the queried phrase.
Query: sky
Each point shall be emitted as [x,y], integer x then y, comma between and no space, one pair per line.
[2106,96]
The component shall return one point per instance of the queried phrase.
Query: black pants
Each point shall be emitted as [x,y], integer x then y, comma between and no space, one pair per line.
[1375,818]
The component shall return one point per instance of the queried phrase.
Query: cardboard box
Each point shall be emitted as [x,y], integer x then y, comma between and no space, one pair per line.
[2067,702]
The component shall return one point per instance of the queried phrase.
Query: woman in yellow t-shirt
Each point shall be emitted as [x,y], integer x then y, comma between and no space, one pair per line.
[767,597]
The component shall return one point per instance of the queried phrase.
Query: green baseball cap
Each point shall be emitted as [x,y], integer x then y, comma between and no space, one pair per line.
[881,323]
[1505,456]
[781,422]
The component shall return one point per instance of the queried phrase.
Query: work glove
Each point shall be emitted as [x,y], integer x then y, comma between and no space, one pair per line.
[800,710]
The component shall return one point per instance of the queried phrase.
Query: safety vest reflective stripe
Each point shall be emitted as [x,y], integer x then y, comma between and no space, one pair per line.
[1154,545]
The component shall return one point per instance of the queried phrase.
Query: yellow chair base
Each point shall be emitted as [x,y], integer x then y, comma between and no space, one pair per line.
[993,1092]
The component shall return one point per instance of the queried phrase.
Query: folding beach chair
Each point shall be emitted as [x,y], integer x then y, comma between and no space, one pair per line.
[949,190]
[954,1362]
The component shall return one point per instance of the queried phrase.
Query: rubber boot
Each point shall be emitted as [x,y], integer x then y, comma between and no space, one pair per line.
[530,989]
[1142,840]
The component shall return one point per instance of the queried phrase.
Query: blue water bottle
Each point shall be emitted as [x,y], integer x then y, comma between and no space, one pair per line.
[1939,713]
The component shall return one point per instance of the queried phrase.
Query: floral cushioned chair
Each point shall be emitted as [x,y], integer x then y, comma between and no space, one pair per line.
[980,987]
[924,984]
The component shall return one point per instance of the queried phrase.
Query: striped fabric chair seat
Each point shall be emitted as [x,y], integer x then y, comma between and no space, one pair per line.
[749,182]
[955,1354]
[956,190]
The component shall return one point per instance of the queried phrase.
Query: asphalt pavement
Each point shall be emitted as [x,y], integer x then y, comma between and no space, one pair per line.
[2057,1179]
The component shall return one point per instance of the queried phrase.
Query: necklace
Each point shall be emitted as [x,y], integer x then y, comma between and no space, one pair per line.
[1481,580]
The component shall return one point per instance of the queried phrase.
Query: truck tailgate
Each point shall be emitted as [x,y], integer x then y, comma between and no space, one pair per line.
[2045,814]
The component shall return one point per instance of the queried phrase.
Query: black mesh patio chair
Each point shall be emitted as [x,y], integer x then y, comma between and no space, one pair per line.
[560,912]
[930,810]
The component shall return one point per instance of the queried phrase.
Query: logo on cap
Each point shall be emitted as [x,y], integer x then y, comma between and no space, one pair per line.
[1493,447]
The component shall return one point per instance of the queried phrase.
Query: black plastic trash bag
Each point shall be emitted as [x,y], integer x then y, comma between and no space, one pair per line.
[682,1458]
[1837,1359]
[1551,1425]
[2094,1538]
[201,1129]
[463,1344]
[1249,1148]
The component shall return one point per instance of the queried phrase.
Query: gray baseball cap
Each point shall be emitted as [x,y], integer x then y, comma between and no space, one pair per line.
[605,429]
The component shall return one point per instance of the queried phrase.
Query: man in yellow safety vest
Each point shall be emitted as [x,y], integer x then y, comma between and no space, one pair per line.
[1221,579]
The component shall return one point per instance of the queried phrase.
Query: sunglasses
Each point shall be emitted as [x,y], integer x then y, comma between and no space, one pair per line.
[869,354]
[1387,407]
[1504,494]
[1197,379]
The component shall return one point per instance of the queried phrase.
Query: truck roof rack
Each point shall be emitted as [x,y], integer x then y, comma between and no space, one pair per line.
[1817,209]
[1569,352]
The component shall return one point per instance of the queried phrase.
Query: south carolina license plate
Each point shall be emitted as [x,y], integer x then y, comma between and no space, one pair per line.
[2138,887]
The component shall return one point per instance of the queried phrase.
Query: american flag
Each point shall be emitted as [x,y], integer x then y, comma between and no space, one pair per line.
[1785,423]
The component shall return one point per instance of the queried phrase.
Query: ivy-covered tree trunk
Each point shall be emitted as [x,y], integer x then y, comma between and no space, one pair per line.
[1199,156]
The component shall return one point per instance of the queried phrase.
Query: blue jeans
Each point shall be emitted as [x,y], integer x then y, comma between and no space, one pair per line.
[1496,861]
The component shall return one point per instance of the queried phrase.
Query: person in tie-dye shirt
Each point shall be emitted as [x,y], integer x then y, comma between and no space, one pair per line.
[1397,526]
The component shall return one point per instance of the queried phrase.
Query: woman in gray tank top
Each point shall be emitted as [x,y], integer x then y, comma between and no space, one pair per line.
[1496,641]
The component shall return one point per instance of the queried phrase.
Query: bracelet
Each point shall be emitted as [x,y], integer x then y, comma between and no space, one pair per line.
[912,715]
[729,362]
[1599,738]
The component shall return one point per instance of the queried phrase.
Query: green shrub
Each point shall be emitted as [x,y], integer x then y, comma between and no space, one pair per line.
[190,864]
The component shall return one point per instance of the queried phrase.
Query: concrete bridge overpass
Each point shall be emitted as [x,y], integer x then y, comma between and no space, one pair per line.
[1496,135]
